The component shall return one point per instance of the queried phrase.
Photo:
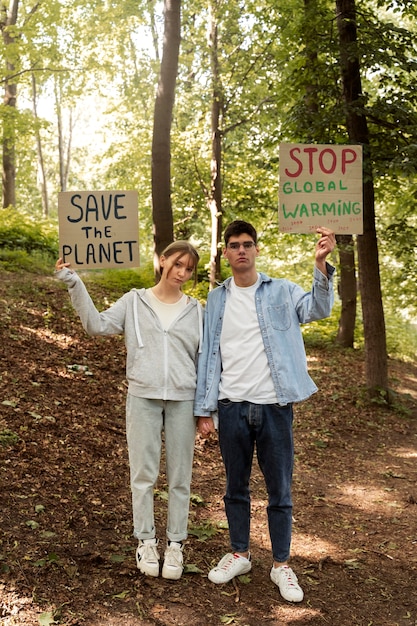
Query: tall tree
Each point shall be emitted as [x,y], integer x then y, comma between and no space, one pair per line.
[347,291]
[161,141]
[376,367]
[8,22]
[237,82]
[41,161]
[347,283]
[64,143]
[214,198]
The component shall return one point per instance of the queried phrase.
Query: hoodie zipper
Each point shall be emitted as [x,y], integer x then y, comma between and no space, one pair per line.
[164,397]
[165,335]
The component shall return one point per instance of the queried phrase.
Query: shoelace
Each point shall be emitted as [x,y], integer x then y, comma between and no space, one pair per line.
[150,554]
[229,562]
[173,556]
[290,577]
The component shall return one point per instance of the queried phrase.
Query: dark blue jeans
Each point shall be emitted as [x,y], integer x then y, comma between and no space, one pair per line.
[242,426]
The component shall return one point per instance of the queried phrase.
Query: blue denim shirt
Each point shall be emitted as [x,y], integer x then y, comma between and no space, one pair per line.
[281,306]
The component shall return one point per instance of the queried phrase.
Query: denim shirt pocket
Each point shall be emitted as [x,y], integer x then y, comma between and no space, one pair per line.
[279,316]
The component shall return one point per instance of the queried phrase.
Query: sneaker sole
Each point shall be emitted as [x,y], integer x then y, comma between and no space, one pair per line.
[171,574]
[300,598]
[154,573]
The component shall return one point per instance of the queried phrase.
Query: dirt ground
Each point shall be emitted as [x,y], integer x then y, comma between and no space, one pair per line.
[66,545]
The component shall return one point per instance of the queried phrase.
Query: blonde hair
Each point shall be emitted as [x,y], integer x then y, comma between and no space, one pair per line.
[182,248]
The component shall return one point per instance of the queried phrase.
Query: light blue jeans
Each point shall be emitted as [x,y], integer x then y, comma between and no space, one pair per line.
[145,421]
[268,427]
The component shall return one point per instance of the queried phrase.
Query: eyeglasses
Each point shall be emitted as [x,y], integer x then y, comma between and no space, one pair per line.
[235,245]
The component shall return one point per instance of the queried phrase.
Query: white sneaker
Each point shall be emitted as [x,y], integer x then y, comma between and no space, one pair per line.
[228,567]
[287,582]
[173,568]
[147,557]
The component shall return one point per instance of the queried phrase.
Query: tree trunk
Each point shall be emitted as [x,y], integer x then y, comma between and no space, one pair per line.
[310,51]
[369,278]
[41,163]
[64,153]
[9,150]
[347,271]
[161,140]
[9,19]
[215,196]
[347,291]
[68,150]
[151,10]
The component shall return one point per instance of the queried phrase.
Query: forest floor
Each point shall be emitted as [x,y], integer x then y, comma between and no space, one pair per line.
[66,546]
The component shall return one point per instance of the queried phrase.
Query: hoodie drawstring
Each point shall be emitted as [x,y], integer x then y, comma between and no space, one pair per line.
[136,321]
[200,326]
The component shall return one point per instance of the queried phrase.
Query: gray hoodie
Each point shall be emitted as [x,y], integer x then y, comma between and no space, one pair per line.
[160,364]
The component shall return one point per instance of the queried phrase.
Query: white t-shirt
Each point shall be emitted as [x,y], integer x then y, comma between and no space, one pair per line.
[246,374]
[167,313]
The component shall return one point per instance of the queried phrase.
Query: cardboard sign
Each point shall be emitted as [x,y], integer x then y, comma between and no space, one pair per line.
[320,185]
[99,229]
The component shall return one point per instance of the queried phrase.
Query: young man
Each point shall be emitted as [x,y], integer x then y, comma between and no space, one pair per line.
[252,369]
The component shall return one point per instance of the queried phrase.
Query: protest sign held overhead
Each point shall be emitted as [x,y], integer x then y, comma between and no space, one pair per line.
[99,229]
[320,185]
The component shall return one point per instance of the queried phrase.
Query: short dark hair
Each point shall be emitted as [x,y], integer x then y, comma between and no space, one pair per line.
[239,227]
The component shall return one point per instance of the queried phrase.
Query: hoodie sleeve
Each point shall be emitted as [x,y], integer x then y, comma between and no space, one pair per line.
[109,322]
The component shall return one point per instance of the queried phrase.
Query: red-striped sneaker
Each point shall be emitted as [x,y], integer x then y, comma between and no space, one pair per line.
[228,567]
[287,583]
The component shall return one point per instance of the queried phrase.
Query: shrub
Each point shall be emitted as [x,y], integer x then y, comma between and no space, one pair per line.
[26,235]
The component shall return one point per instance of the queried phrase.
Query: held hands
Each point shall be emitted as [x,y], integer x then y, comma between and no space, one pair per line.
[205,426]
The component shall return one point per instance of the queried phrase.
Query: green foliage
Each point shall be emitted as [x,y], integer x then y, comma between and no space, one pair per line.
[197,500]
[8,437]
[401,337]
[278,80]
[119,281]
[31,245]
[199,291]
[25,240]
[321,333]
[116,282]
[400,403]
[397,233]
[205,531]
[18,260]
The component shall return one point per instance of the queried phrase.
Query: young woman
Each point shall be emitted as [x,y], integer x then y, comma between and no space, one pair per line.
[162,329]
